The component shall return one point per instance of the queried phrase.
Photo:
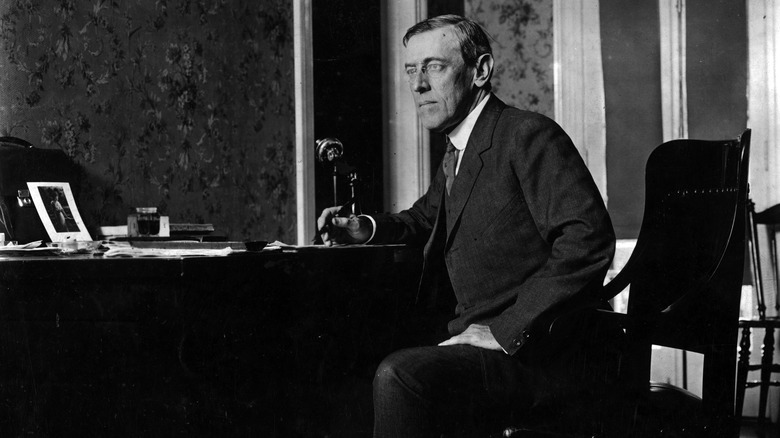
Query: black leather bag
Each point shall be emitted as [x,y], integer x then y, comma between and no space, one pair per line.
[20,163]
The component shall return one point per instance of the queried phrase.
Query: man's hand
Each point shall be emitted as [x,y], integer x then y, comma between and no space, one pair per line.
[476,335]
[343,230]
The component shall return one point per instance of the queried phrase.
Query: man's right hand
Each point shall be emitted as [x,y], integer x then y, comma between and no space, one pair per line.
[343,230]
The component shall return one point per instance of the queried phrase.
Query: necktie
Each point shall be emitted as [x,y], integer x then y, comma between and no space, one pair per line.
[450,161]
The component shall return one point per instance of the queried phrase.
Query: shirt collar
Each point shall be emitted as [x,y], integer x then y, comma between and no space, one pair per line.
[459,136]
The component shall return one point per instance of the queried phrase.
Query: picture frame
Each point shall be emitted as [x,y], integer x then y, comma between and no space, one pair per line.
[57,210]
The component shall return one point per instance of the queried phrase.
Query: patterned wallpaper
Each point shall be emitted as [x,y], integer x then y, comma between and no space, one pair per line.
[186,105]
[523,49]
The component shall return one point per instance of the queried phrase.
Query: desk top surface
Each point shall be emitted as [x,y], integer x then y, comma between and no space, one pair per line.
[89,266]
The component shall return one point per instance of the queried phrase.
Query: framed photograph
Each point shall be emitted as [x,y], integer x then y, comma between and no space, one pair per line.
[57,209]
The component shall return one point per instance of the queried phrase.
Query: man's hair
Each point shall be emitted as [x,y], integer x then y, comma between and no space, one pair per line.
[474,41]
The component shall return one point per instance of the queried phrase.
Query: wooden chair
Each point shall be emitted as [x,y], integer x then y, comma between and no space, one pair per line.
[770,219]
[685,279]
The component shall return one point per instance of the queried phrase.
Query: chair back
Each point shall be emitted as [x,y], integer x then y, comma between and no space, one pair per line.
[685,274]
[685,278]
[770,220]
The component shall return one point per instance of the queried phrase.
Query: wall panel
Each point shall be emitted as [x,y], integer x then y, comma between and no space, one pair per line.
[187,106]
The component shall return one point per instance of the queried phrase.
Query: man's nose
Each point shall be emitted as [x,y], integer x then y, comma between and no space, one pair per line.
[419,82]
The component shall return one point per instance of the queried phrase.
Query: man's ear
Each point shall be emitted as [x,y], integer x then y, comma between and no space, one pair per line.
[483,70]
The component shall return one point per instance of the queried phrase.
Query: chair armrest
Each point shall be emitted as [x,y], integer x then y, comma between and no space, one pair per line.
[565,322]
[615,286]
[626,274]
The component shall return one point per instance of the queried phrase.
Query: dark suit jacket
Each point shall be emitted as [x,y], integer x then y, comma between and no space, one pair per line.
[527,231]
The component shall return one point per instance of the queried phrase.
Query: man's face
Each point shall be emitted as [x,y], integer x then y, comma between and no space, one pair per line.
[439,79]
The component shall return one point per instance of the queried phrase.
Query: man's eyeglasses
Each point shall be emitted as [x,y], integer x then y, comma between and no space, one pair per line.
[431,70]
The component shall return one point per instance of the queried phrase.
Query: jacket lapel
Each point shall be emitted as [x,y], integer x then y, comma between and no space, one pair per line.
[480,140]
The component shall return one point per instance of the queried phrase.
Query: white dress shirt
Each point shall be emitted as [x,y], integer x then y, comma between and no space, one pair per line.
[459,137]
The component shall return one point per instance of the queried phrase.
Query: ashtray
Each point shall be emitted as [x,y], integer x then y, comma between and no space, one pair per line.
[75,246]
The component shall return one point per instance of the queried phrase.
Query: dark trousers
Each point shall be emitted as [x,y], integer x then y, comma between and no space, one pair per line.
[456,390]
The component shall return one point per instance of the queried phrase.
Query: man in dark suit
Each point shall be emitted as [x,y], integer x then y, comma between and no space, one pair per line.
[514,220]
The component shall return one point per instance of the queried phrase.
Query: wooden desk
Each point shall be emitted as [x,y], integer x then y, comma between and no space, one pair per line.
[258,344]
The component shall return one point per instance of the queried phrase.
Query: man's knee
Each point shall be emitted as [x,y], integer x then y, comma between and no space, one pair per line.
[401,371]
[390,372]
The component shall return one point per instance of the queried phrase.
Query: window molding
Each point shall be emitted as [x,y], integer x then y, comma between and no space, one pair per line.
[406,142]
[304,121]
[674,92]
[578,82]
[764,101]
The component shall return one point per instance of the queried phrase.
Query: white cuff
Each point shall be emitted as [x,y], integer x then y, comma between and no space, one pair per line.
[373,228]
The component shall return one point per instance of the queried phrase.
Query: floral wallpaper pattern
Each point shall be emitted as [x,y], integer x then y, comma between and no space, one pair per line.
[186,105]
[523,48]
